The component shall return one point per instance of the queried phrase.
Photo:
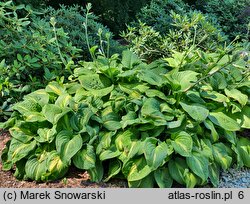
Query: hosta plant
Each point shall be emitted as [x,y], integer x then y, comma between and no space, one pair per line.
[171,121]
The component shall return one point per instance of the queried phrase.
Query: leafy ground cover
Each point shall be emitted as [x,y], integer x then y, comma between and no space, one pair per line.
[151,124]
[74,179]
[168,114]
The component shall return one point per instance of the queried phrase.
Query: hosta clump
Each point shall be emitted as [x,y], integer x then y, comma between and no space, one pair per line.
[152,124]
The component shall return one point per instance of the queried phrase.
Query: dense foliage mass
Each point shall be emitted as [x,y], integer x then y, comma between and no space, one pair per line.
[113,13]
[232,15]
[32,52]
[189,29]
[97,33]
[169,110]
[148,123]
[36,47]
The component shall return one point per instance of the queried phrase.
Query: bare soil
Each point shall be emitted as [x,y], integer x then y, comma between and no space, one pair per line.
[74,179]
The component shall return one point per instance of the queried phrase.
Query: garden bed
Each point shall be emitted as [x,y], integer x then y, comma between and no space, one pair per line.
[233,178]
[75,178]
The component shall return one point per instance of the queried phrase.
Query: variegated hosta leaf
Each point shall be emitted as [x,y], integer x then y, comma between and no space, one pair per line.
[67,145]
[182,143]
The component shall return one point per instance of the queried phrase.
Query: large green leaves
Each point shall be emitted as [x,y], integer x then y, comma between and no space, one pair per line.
[136,169]
[237,95]
[181,81]
[182,143]
[156,154]
[48,166]
[199,165]
[243,147]
[129,59]
[221,156]
[225,122]
[19,150]
[85,158]
[177,168]
[94,82]
[163,178]
[151,109]
[53,113]
[134,120]
[196,111]
[68,145]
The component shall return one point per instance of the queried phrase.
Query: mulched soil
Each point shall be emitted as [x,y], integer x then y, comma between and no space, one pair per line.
[74,179]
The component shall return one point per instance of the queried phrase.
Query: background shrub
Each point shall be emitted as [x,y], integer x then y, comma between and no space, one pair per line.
[72,18]
[232,15]
[32,51]
[191,28]
[157,13]
[115,14]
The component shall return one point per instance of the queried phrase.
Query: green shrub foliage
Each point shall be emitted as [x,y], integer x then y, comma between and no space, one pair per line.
[232,15]
[32,52]
[152,124]
[72,20]
[115,14]
[181,32]
[157,14]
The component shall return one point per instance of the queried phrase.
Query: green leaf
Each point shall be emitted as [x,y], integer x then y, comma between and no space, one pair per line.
[96,173]
[111,120]
[206,149]
[147,182]
[151,109]
[182,143]
[39,96]
[53,112]
[21,134]
[163,178]
[94,81]
[243,118]
[27,106]
[19,150]
[222,120]
[114,168]
[181,81]
[221,156]
[104,141]
[237,95]
[230,136]
[190,179]
[243,146]
[129,59]
[151,77]
[195,97]
[67,145]
[136,148]
[6,164]
[155,154]
[63,100]
[214,173]
[35,169]
[209,125]
[177,168]
[199,165]
[56,167]
[137,169]
[196,111]
[85,158]
[110,153]
[46,134]
[55,88]
[215,96]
